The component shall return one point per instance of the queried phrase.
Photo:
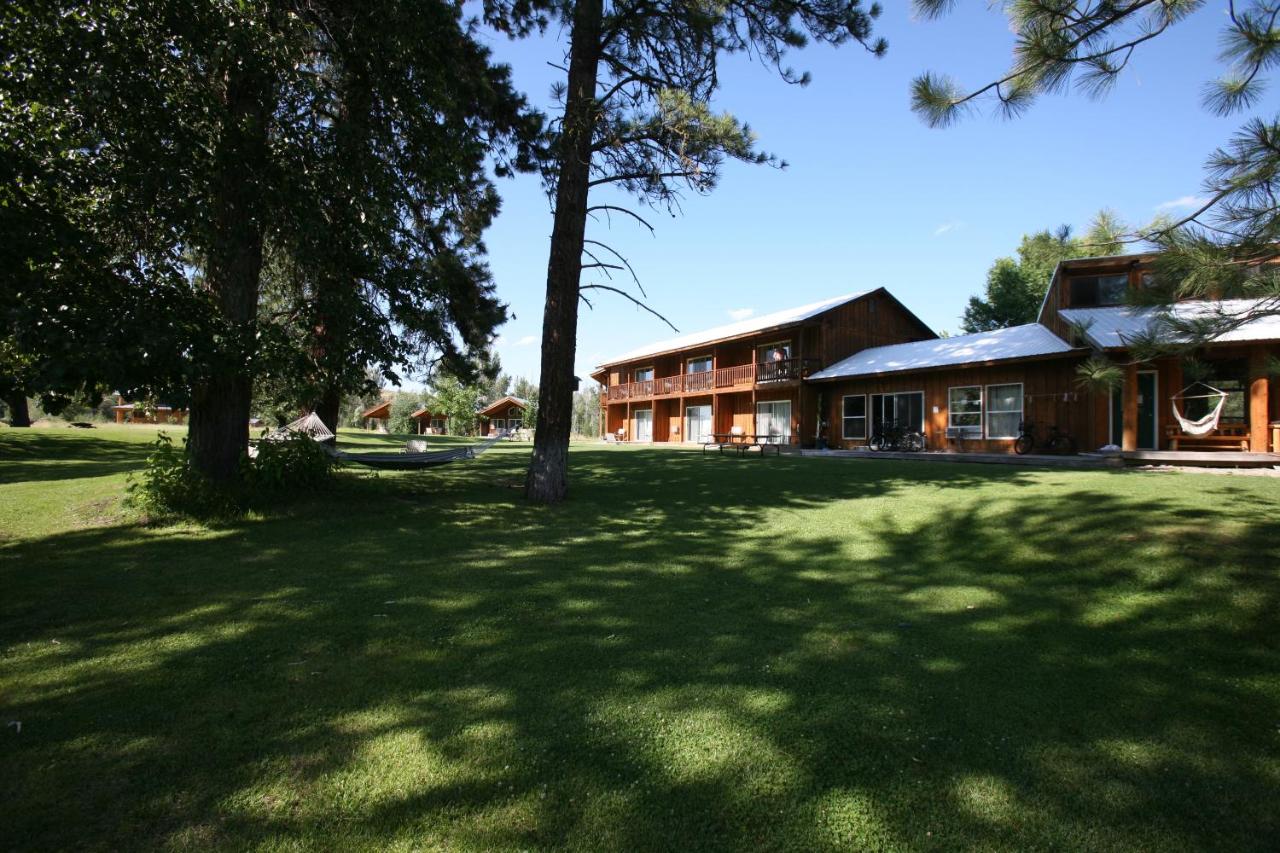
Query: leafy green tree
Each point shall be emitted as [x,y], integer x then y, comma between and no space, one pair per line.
[1229,246]
[403,405]
[157,155]
[1015,288]
[527,390]
[637,117]
[586,412]
[458,402]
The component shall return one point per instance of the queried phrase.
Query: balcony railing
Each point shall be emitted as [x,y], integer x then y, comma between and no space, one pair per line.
[741,376]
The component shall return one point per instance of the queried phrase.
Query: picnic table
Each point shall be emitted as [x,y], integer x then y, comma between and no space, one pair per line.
[742,442]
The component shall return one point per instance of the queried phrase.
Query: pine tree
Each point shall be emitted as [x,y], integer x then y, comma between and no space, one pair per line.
[1230,245]
[637,116]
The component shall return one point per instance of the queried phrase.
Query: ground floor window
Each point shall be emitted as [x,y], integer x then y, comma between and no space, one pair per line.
[1004,410]
[773,421]
[964,408]
[514,423]
[497,424]
[697,424]
[437,424]
[853,419]
[904,410]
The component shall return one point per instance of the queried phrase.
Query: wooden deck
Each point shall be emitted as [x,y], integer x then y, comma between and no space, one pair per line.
[1203,458]
[1083,460]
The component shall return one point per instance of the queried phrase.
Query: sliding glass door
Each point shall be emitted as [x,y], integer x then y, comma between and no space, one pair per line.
[773,421]
[905,410]
[644,425]
[697,424]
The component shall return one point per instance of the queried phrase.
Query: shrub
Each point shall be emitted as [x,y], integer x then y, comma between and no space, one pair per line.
[170,486]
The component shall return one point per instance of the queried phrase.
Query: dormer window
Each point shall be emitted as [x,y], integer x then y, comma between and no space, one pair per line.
[1091,290]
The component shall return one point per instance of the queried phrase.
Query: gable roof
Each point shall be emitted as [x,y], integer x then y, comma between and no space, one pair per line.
[508,400]
[749,326]
[378,412]
[422,413]
[999,345]
[1118,325]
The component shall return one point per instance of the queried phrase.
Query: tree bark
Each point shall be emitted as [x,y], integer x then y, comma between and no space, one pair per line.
[221,400]
[19,414]
[548,477]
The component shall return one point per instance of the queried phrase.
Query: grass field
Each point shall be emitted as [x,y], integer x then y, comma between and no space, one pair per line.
[692,654]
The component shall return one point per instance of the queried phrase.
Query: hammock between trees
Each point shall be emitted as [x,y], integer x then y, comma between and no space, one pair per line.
[408,460]
[1206,424]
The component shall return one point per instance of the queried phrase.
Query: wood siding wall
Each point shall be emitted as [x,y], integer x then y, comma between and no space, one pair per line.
[1045,384]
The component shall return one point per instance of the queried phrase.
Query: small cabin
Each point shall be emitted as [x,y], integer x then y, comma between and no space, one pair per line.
[427,422]
[376,417]
[503,416]
[141,413]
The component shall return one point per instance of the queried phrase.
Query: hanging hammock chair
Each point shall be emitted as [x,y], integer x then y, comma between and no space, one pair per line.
[1206,424]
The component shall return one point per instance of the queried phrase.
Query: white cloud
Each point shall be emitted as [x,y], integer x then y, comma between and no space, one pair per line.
[1184,203]
[946,227]
[741,313]
[527,340]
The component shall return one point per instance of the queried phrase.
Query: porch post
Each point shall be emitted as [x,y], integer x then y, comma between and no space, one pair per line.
[1174,386]
[1259,408]
[1129,400]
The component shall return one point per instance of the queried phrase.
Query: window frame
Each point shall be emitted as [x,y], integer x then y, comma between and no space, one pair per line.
[786,437]
[782,343]
[864,417]
[709,358]
[981,413]
[924,422]
[653,374]
[1021,410]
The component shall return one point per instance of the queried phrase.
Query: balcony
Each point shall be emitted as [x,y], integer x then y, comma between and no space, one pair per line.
[742,377]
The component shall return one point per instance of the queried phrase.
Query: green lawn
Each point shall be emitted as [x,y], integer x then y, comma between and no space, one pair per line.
[692,654]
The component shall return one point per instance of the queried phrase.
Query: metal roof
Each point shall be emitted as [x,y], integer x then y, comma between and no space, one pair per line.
[1118,325]
[1014,342]
[740,328]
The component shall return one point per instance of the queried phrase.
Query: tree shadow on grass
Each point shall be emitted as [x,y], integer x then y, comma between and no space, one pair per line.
[689,654]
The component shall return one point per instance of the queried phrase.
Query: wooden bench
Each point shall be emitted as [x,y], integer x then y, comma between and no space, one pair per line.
[1234,437]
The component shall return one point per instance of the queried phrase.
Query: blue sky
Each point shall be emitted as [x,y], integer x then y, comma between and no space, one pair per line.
[872,197]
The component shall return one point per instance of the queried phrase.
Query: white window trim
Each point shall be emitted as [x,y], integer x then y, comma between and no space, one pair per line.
[709,357]
[790,413]
[687,431]
[635,370]
[866,417]
[1021,410]
[982,407]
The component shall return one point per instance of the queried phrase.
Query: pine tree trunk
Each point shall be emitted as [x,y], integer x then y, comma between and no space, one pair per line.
[221,400]
[548,478]
[19,414]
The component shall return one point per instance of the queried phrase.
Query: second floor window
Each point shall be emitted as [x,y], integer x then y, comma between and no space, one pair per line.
[702,364]
[642,374]
[1090,290]
[773,353]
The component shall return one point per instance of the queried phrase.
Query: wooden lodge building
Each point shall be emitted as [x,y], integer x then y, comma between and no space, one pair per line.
[833,372]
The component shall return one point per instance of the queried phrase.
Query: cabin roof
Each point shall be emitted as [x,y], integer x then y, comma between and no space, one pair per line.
[1014,342]
[378,412]
[507,400]
[422,413]
[1118,325]
[748,326]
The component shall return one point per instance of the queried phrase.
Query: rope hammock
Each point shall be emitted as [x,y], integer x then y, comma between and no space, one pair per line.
[410,461]
[1206,424]
[309,424]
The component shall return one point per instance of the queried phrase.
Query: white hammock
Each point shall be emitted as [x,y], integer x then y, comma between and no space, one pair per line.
[309,424]
[1206,424]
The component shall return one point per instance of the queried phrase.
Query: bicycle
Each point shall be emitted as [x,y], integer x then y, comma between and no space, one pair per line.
[1057,441]
[895,437]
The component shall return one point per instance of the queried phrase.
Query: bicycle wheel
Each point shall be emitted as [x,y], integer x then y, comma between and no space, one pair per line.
[1023,445]
[913,442]
[1066,445]
[877,443]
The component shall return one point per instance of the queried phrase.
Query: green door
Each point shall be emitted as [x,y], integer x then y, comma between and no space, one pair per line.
[1146,411]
